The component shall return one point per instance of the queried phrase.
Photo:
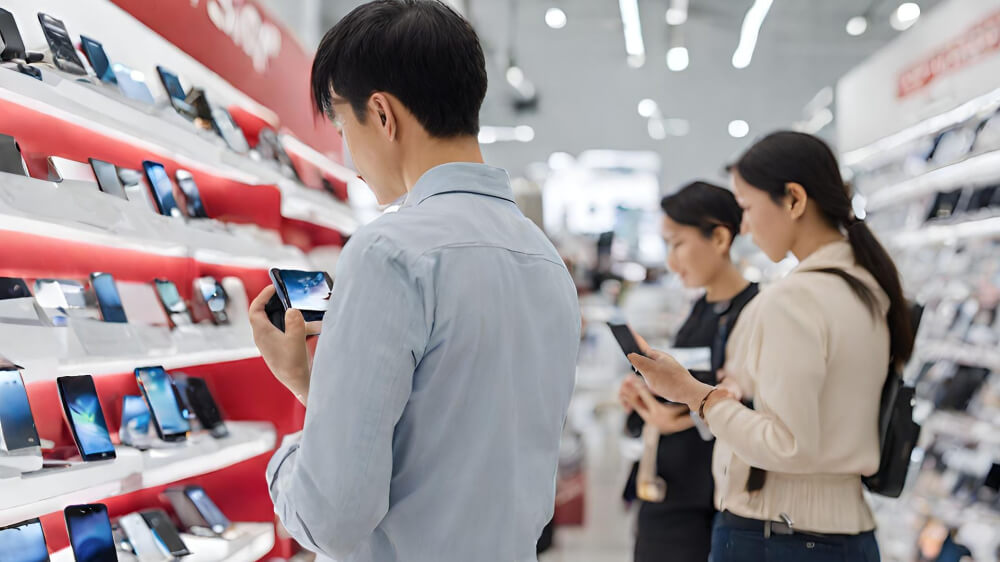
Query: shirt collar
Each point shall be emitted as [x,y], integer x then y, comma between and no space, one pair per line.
[464,177]
[835,254]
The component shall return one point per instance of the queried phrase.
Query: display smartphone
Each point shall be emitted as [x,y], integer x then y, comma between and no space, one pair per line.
[108,298]
[213,298]
[98,60]
[17,424]
[144,543]
[196,511]
[63,53]
[626,340]
[162,400]
[193,204]
[198,101]
[175,92]
[167,537]
[226,127]
[11,44]
[135,418]
[200,398]
[306,291]
[24,542]
[90,533]
[85,417]
[107,178]
[132,84]
[162,188]
[172,302]
[270,143]
[13,288]
[10,157]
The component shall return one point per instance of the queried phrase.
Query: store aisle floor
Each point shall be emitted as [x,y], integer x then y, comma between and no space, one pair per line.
[606,535]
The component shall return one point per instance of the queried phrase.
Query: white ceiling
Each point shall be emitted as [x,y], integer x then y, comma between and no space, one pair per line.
[588,94]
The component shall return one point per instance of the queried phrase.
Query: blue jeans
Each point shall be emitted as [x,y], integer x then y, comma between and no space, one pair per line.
[738,545]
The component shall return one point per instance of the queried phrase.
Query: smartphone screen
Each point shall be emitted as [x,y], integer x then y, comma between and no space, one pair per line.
[13,288]
[16,421]
[203,403]
[12,45]
[90,533]
[10,156]
[135,413]
[230,132]
[172,85]
[163,188]
[85,416]
[98,59]
[215,298]
[144,543]
[169,296]
[165,532]
[132,84]
[107,178]
[161,398]
[108,298]
[24,542]
[195,207]
[625,338]
[212,514]
[63,52]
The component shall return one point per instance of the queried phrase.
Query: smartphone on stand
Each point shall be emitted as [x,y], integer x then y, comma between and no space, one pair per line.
[90,533]
[85,417]
[63,52]
[196,511]
[144,543]
[167,537]
[98,60]
[204,406]
[158,389]
[162,188]
[193,204]
[172,302]
[10,157]
[24,542]
[211,300]
[134,430]
[107,178]
[13,288]
[17,424]
[108,298]
[175,93]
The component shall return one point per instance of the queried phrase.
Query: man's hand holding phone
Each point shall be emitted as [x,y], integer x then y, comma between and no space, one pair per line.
[285,353]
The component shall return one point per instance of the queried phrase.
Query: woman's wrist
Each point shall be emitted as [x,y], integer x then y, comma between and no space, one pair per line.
[697,393]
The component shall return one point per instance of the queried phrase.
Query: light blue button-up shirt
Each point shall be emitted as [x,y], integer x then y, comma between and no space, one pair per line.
[440,384]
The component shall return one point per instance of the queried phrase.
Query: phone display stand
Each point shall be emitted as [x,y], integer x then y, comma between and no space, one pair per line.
[24,311]
[25,327]
[130,436]
[15,463]
[238,310]
[107,339]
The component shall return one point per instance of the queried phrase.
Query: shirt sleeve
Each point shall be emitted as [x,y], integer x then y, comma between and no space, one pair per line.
[331,487]
[787,358]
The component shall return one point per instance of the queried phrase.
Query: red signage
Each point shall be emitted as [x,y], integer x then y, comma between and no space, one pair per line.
[976,42]
[239,41]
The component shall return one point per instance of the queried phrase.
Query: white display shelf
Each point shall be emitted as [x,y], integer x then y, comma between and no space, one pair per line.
[50,490]
[246,542]
[316,207]
[966,354]
[947,233]
[979,169]
[168,361]
[80,212]
[151,129]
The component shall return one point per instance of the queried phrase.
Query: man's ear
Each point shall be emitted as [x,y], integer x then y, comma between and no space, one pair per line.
[380,108]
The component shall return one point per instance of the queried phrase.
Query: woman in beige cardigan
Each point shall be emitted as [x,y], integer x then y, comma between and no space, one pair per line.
[815,347]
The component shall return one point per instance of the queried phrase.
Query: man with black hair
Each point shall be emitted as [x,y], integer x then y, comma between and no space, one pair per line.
[447,357]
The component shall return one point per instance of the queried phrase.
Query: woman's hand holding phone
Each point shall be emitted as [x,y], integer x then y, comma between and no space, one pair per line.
[669,379]
[285,353]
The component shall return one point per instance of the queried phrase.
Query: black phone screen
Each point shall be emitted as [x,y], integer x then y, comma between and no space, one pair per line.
[107,178]
[10,156]
[13,288]
[625,338]
[90,533]
[203,403]
[165,532]
[63,52]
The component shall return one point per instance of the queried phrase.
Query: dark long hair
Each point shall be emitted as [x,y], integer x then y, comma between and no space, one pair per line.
[789,157]
[705,207]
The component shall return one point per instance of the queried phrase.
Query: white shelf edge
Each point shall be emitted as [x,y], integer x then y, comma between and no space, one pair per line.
[986,165]
[313,206]
[947,234]
[128,474]
[167,360]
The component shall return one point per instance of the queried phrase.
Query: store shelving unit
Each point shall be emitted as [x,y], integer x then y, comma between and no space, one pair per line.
[51,489]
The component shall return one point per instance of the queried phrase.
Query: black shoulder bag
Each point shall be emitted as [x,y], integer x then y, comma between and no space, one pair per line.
[898,433]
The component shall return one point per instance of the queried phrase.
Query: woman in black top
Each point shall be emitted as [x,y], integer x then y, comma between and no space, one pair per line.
[699,225]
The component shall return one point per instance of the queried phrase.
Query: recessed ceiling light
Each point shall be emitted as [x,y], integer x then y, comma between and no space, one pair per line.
[677,59]
[905,16]
[647,108]
[738,128]
[857,25]
[555,18]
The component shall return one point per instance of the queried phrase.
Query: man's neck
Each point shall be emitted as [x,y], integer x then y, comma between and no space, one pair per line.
[435,152]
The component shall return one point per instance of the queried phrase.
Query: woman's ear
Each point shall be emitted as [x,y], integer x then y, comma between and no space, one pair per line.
[796,199]
[722,239]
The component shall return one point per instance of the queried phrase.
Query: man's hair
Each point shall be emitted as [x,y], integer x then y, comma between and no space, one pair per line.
[421,51]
